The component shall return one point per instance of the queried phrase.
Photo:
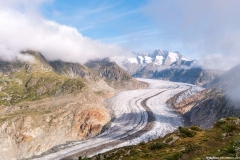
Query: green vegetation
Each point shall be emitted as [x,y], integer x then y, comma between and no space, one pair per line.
[195,128]
[222,140]
[21,86]
[99,92]
[174,156]
[157,145]
[72,85]
[185,132]
[169,139]
[24,111]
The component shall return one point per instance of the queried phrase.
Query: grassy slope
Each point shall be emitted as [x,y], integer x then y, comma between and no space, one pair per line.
[186,143]
[20,86]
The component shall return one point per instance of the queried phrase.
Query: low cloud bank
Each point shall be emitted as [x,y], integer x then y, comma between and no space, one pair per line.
[27,30]
[209,29]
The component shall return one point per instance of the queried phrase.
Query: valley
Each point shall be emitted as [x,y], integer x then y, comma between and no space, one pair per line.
[62,110]
[138,115]
[119,80]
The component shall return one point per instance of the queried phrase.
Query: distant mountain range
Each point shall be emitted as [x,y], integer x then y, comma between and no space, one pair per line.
[159,58]
[168,66]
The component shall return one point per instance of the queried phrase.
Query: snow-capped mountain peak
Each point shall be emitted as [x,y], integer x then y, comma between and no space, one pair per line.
[158,57]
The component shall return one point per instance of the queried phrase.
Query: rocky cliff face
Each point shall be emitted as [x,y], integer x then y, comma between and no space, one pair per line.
[44,104]
[205,108]
[69,69]
[212,107]
[114,75]
[219,100]
[32,128]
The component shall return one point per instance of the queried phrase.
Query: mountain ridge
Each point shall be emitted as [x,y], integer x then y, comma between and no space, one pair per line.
[40,99]
[158,57]
[114,75]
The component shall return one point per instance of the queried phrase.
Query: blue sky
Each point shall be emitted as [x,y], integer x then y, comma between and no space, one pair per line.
[123,22]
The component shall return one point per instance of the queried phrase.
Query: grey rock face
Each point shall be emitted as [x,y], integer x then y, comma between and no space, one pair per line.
[213,107]
[69,69]
[114,75]
[9,67]
[220,100]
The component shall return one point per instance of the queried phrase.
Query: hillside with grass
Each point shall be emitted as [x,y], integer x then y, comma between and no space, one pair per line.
[222,140]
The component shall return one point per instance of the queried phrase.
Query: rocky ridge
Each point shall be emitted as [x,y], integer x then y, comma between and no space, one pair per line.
[114,75]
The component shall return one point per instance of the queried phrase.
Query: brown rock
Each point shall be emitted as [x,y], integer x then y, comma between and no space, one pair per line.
[96,128]
[28,119]
[55,121]
[9,130]
[27,138]
[48,119]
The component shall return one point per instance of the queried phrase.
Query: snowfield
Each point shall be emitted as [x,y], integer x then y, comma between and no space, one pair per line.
[139,115]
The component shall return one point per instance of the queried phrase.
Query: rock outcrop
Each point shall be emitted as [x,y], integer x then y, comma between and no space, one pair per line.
[219,100]
[35,127]
[212,107]
[114,75]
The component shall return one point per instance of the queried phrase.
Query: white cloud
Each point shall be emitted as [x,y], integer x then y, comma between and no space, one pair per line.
[218,62]
[22,30]
[206,27]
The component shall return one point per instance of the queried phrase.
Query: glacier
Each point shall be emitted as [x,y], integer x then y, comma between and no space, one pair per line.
[139,115]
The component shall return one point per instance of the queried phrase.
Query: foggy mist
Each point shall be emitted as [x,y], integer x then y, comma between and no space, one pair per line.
[210,29]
